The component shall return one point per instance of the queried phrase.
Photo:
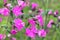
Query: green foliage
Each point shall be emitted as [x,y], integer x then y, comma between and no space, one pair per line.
[1,3]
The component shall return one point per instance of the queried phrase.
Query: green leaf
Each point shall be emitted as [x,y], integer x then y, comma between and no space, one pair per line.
[26,9]
[28,38]
[1,3]
[3,23]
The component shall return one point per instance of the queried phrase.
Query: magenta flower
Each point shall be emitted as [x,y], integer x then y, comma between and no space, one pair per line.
[1,36]
[5,11]
[13,31]
[9,5]
[17,10]
[5,1]
[49,25]
[40,20]
[59,17]
[34,5]
[51,21]
[21,3]
[29,33]
[4,36]
[56,13]
[42,33]
[40,11]
[32,22]
[13,38]
[19,24]
[50,12]
[0,19]
[33,29]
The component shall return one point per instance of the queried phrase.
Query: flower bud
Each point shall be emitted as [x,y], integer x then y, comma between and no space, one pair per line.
[59,18]
[56,13]
[50,12]
[34,6]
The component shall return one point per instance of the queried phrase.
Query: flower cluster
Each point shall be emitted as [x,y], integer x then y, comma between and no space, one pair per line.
[38,25]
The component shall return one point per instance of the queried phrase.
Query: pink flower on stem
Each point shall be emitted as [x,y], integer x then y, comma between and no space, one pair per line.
[19,24]
[13,38]
[1,36]
[5,11]
[34,6]
[33,29]
[40,20]
[49,25]
[50,12]
[21,3]
[9,5]
[5,1]
[32,22]
[58,18]
[56,13]
[29,33]
[4,36]
[42,33]
[13,31]
[51,21]
[40,11]
[17,10]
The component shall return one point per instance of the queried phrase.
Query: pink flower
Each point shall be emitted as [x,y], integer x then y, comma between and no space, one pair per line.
[49,25]
[33,29]
[51,21]
[21,3]
[17,10]
[50,12]
[1,36]
[29,33]
[13,31]
[5,11]
[32,22]
[42,33]
[40,20]
[34,5]
[13,38]
[9,5]
[40,11]
[56,13]
[4,36]
[19,24]
[59,17]
[0,19]
[5,1]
